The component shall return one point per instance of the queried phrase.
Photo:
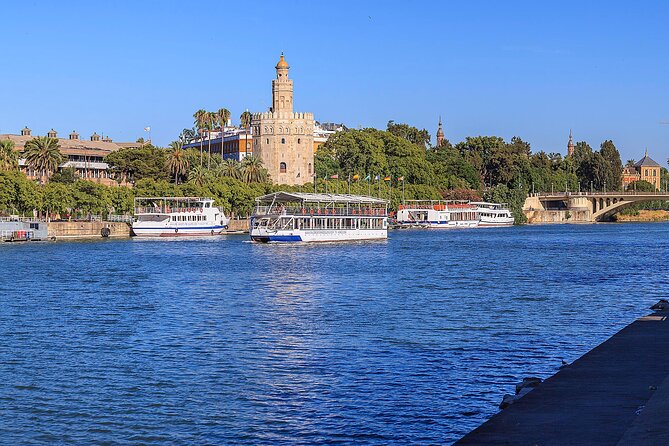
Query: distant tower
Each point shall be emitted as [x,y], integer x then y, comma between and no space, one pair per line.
[282,138]
[440,134]
[570,145]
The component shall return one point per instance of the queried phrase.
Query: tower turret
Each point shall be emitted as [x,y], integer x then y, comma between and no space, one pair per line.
[570,145]
[440,134]
[282,88]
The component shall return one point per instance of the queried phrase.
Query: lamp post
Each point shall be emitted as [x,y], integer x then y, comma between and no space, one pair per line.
[592,190]
[552,191]
[604,186]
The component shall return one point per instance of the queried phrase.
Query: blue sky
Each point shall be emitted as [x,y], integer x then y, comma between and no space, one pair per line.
[529,69]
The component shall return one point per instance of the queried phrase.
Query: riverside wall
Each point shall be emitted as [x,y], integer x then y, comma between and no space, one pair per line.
[87,229]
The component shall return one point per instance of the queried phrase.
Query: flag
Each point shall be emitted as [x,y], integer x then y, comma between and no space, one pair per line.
[377,178]
[356,177]
[386,179]
[367,178]
[400,179]
[334,177]
[147,129]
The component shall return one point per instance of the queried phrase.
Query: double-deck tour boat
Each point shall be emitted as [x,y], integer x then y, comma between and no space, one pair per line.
[493,214]
[177,216]
[437,214]
[307,217]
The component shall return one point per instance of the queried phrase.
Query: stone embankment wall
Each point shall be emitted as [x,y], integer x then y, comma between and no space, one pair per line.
[239,225]
[87,229]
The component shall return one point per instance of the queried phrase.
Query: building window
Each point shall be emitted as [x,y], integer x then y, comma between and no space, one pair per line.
[282,168]
[299,140]
[283,140]
[267,140]
[310,168]
[654,173]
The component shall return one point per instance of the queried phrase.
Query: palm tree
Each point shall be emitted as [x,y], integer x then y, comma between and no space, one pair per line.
[43,155]
[222,117]
[245,119]
[212,119]
[198,176]
[8,156]
[177,162]
[253,170]
[200,123]
[187,135]
[230,168]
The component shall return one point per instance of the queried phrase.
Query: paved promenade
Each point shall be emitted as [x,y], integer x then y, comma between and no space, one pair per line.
[616,394]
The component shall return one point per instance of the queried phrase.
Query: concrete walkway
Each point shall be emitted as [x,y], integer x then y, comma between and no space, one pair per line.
[616,394]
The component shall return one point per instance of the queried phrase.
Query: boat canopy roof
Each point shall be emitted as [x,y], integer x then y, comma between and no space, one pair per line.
[319,198]
[173,199]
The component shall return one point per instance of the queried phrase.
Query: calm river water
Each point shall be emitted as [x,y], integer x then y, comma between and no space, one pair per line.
[409,341]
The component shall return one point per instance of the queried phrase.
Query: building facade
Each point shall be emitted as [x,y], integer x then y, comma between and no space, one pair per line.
[646,169]
[85,156]
[282,138]
[236,143]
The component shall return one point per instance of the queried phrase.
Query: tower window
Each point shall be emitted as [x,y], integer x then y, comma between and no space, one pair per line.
[309,168]
[282,168]
[299,140]
[267,140]
[283,140]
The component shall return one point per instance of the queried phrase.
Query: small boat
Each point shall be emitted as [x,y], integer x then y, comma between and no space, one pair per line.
[177,216]
[22,229]
[493,214]
[307,217]
[440,214]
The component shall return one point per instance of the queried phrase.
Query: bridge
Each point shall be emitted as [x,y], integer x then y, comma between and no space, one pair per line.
[583,206]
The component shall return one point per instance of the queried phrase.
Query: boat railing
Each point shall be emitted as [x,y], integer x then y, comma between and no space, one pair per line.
[165,209]
[319,211]
[17,218]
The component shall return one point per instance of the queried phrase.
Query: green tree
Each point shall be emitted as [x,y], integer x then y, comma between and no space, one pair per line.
[614,165]
[253,170]
[230,168]
[201,118]
[8,156]
[133,164]
[245,119]
[43,155]
[57,198]
[177,162]
[66,175]
[198,176]
[421,138]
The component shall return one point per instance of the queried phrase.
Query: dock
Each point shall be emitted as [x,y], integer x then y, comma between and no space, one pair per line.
[616,394]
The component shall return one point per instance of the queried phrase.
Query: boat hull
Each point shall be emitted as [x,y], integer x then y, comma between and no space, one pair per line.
[440,224]
[263,236]
[200,231]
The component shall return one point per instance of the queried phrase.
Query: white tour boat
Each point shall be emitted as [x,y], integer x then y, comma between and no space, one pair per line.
[307,217]
[437,214]
[177,216]
[493,214]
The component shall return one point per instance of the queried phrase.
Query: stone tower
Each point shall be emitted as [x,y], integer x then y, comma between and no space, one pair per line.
[570,145]
[284,139]
[440,134]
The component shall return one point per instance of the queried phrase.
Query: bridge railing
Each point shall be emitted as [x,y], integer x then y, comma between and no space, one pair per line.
[598,194]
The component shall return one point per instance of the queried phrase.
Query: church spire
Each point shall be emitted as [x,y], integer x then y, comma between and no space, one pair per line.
[440,134]
[570,145]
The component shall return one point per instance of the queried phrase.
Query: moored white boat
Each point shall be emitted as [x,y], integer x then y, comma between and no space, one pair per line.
[437,214]
[306,217]
[493,214]
[177,217]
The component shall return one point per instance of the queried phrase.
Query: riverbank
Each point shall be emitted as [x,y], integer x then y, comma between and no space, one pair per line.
[644,216]
[617,393]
